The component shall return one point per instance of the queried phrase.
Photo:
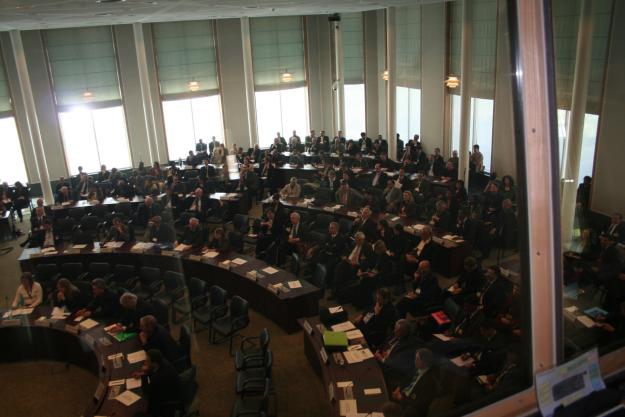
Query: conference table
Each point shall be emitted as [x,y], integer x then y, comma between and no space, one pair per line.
[37,336]
[277,294]
[365,375]
[453,249]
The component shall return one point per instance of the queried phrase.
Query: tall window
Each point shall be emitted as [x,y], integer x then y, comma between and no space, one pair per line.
[352,36]
[187,73]
[408,64]
[11,159]
[279,77]
[86,86]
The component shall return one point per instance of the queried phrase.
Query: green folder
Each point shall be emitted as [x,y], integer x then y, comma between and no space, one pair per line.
[335,340]
[123,336]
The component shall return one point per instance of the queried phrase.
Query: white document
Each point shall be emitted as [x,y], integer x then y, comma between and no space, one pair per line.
[354,347]
[115,355]
[210,255]
[337,309]
[354,334]
[462,363]
[88,324]
[48,250]
[115,382]
[132,383]
[79,246]
[373,391]
[343,327]
[394,219]
[344,384]
[58,313]
[348,407]
[78,319]
[127,398]
[294,284]
[239,261]
[571,309]
[442,337]
[586,321]
[182,247]
[113,245]
[269,270]
[137,356]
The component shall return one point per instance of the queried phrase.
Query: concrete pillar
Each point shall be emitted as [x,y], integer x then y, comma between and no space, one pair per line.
[465,90]
[381,57]
[246,45]
[372,77]
[573,148]
[31,114]
[340,76]
[390,85]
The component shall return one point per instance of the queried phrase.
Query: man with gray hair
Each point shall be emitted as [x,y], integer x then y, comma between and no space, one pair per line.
[192,236]
[416,396]
[154,336]
[395,354]
[133,308]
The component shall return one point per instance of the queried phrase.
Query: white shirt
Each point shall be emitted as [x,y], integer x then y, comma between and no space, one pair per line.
[28,299]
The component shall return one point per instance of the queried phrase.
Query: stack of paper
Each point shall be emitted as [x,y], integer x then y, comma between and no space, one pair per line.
[337,309]
[58,313]
[127,398]
[79,246]
[442,337]
[270,270]
[182,247]
[17,312]
[137,356]
[210,254]
[294,284]
[132,383]
[354,334]
[357,355]
[239,261]
[343,327]
[113,245]
[88,324]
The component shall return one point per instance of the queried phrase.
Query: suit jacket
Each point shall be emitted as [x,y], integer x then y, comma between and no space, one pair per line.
[204,206]
[145,213]
[467,229]
[195,238]
[418,400]
[368,227]
[163,234]
[381,180]
[105,306]
[161,339]
[494,297]
[354,198]
[162,387]
[300,231]
[365,258]
[131,318]
[332,248]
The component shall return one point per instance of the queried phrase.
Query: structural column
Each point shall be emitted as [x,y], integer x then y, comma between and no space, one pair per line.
[31,114]
[390,85]
[248,70]
[573,148]
[465,90]
[339,81]
[372,77]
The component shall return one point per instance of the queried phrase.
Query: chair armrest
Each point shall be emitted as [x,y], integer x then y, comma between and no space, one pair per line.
[249,340]
[218,312]
[82,276]
[156,286]
[199,301]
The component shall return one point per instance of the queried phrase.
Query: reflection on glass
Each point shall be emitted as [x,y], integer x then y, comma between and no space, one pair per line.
[95,137]
[189,120]
[408,112]
[281,111]
[355,117]
[11,159]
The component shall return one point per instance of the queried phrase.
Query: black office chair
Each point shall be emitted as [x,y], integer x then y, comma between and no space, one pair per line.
[253,379]
[188,391]
[252,351]
[47,275]
[80,237]
[90,225]
[123,276]
[72,270]
[319,277]
[173,288]
[345,226]
[210,307]
[85,292]
[240,223]
[228,326]
[64,228]
[236,241]
[76,213]
[124,209]
[100,211]
[196,291]
[150,282]
[161,312]
[321,223]
[97,270]
[182,221]
[184,340]
[248,404]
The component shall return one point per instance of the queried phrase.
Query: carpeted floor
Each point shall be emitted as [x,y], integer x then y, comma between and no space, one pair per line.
[299,391]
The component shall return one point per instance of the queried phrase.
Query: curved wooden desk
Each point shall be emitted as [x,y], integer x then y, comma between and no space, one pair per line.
[364,375]
[31,340]
[284,308]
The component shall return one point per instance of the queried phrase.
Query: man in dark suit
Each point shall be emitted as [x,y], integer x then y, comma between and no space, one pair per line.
[158,232]
[365,224]
[324,141]
[365,143]
[396,353]
[466,227]
[440,219]
[145,212]
[132,309]
[43,236]
[493,295]
[207,170]
[329,252]
[160,384]
[425,291]
[378,179]
[438,163]
[154,336]
[200,146]
[347,196]
[104,304]
[193,235]
[359,257]
[200,204]
[123,189]
[416,396]
[422,188]
[294,235]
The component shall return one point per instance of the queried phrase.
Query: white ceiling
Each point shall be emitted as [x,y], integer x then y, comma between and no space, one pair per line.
[47,14]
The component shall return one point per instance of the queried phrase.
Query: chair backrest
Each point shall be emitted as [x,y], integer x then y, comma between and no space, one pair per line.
[124,208]
[345,226]
[296,262]
[217,295]
[71,270]
[240,223]
[124,272]
[322,221]
[161,311]
[76,213]
[45,271]
[183,220]
[89,222]
[264,339]
[100,211]
[239,307]
[173,280]
[81,237]
[318,278]
[149,274]
[184,340]
[236,241]
[99,269]
[197,288]
[188,386]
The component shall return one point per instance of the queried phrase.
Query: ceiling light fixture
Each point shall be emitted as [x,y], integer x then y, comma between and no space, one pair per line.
[88,95]
[193,85]
[385,75]
[452,81]
[286,76]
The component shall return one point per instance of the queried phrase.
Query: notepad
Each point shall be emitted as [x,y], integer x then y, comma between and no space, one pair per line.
[354,334]
[210,255]
[586,321]
[132,383]
[348,407]
[137,356]
[115,382]
[182,247]
[239,261]
[88,324]
[58,313]
[128,398]
[294,284]
[334,310]
[343,327]
[270,270]
[344,384]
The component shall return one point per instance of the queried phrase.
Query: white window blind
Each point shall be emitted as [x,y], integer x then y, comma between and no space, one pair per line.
[83,60]
[484,45]
[277,47]
[352,36]
[185,52]
[455,41]
[408,46]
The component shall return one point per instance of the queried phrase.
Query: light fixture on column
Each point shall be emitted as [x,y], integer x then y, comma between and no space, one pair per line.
[286,76]
[385,75]
[452,81]
[193,85]
[88,95]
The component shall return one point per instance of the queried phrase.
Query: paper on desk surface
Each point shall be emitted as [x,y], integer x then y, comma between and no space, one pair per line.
[128,398]
[137,356]
[239,261]
[458,361]
[354,334]
[442,337]
[88,324]
[132,383]
[586,321]
[348,407]
[210,254]
[343,384]
[343,327]
[294,284]
[334,310]
[79,246]
[270,270]
[372,391]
